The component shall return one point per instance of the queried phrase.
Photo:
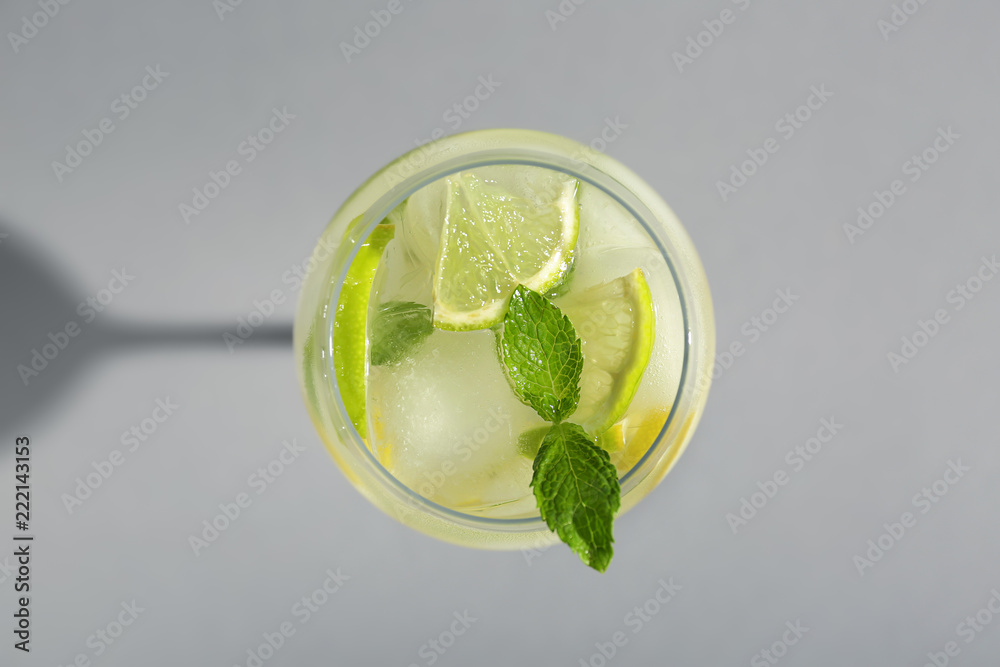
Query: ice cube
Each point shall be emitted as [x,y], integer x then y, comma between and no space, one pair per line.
[445,422]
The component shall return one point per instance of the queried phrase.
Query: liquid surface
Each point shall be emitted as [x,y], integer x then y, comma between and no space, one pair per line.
[445,421]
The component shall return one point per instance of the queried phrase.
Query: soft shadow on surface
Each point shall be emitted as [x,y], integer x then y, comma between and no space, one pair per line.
[39,356]
[128,336]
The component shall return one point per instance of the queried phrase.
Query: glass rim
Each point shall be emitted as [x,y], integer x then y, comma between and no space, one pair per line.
[513,153]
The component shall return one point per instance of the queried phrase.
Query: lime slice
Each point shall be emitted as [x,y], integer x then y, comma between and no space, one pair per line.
[350,322]
[503,226]
[615,321]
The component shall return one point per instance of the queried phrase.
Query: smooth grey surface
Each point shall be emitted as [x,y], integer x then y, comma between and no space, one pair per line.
[784,230]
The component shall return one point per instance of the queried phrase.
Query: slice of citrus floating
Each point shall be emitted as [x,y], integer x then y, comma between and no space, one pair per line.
[629,440]
[350,325]
[615,321]
[504,226]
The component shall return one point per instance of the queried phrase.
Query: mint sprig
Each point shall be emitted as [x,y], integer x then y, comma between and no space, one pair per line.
[575,484]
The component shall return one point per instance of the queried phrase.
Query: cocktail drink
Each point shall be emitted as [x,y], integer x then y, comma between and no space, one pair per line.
[511,343]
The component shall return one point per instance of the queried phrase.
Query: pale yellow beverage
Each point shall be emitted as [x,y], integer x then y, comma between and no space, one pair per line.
[397,331]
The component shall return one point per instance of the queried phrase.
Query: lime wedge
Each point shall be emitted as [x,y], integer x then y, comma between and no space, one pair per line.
[503,226]
[615,321]
[350,325]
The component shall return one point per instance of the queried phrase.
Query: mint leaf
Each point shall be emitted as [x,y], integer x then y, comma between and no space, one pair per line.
[398,327]
[577,491]
[541,354]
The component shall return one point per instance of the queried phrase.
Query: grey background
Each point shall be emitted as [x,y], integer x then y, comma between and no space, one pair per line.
[826,357]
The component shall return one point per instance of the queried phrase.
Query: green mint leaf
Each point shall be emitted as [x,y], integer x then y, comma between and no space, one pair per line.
[398,327]
[577,491]
[541,354]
